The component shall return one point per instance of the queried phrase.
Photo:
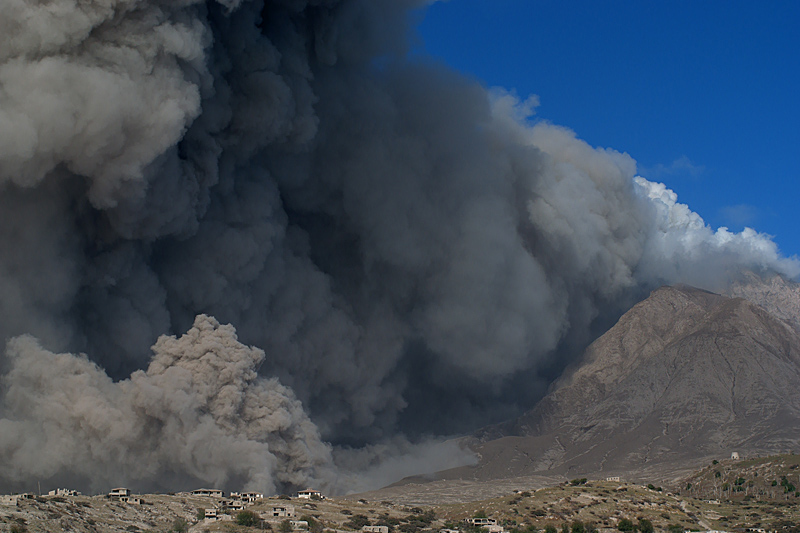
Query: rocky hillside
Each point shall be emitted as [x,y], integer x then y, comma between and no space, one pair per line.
[684,376]
[580,504]
[774,478]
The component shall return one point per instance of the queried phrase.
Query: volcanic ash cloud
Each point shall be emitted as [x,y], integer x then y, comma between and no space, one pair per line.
[199,414]
[416,255]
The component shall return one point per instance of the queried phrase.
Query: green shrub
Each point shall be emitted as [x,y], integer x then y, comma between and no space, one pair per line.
[247,518]
[626,525]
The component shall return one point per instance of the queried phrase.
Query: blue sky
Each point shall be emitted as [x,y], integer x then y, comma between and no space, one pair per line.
[705,95]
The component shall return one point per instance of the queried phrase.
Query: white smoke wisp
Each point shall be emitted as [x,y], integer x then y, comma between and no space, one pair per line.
[682,246]
[414,255]
[200,414]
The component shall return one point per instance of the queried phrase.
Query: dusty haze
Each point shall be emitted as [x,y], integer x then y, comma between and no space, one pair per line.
[415,255]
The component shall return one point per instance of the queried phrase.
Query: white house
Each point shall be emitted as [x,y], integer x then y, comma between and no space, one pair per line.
[298,524]
[211,514]
[282,511]
[63,492]
[309,494]
[214,493]
[735,456]
[252,496]
[15,498]
[375,529]
[481,521]
[613,478]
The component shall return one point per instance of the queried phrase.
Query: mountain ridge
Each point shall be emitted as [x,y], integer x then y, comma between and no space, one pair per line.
[684,375]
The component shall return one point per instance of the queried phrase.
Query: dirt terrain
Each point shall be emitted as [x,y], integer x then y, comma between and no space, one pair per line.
[522,505]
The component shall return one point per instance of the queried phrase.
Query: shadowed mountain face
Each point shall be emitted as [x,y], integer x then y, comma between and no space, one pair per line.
[685,375]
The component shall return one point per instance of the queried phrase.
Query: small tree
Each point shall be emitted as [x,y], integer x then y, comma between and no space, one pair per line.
[626,525]
[247,518]
[577,527]
[550,528]
[285,527]
[313,525]
[645,526]
[180,525]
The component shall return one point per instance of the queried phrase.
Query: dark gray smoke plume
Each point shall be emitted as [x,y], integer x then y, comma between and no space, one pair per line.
[412,254]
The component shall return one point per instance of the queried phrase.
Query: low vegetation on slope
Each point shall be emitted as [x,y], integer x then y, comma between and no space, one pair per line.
[579,506]
[775,478]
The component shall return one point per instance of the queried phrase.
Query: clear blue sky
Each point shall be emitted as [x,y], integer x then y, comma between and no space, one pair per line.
[705,95]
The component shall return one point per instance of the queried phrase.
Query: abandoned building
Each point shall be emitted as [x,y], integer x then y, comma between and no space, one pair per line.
[63,492]
[211,514]
[375,529]
[235,505]
[214,493]
[298,524]
[481,521]
[252,496]
[309,494]
[13,499]
[119,493]
[613,478]
[282,511]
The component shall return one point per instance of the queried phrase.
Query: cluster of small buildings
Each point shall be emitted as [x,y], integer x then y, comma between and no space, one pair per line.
[63,492]
[237,501]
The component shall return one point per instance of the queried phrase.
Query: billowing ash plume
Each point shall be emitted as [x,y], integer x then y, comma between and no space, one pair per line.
[411,253]
[199,414]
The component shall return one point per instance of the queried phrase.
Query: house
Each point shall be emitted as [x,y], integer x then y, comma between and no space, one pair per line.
[298,524]
[252,496]
[310,494]
[63,492]
[135,501]
[282,511]
[613,478]
[375,529]
[14,499]
[211,514]
[214,493]
[493,529]
[235,505]
[122,494]
[483,522]
[735,456]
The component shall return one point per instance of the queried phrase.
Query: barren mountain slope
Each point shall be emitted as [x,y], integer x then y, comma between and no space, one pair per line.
[683,376]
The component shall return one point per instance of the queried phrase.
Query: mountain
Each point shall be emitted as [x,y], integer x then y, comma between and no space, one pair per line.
[684,376]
